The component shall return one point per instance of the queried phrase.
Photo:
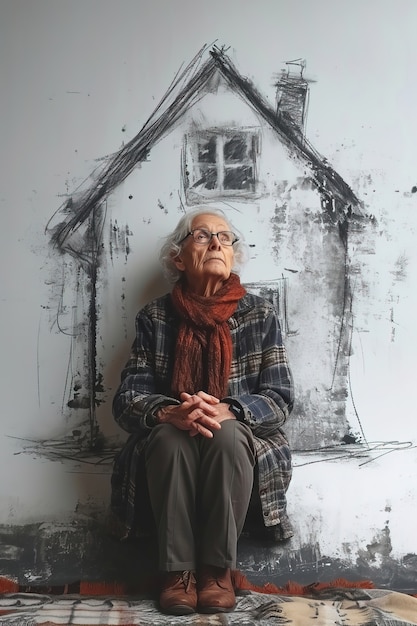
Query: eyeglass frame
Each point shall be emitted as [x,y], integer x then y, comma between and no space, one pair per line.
[206,243]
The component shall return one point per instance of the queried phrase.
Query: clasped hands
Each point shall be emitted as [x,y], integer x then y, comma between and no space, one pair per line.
[199,413]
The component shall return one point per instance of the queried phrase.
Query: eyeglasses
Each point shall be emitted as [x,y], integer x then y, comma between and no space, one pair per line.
[203,236]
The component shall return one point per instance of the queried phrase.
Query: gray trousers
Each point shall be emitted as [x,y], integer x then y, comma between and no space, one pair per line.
[199,491]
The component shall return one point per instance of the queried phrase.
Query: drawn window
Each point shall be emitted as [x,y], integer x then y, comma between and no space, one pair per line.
[275,291]
[222,162]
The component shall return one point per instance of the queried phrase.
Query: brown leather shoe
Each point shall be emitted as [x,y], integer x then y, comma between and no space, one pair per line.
[178,593]
[215,590]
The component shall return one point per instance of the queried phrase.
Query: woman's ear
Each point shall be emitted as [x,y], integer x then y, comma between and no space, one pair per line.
[179,263]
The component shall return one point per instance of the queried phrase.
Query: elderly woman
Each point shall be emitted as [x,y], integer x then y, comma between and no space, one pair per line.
[204,395]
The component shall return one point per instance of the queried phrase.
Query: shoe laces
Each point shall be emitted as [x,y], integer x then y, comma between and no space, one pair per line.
[188,579]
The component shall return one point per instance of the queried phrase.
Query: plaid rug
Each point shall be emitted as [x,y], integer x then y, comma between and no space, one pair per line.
[322,607]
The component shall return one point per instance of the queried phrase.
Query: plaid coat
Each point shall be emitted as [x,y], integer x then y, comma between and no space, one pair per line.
[260,390]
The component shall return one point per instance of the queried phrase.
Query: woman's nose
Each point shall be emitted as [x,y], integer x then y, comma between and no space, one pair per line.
[215,242]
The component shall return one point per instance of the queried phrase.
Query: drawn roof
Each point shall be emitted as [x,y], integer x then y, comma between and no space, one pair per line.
[187,88]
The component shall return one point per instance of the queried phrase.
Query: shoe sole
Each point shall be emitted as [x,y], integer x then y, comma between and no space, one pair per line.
[178,609]
[216,609]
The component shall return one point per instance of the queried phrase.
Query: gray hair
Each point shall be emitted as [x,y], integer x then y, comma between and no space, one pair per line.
[173,242]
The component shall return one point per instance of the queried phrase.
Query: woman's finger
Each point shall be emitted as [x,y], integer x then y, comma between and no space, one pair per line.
[207,397]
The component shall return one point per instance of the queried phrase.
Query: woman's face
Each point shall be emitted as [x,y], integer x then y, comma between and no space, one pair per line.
[206,266]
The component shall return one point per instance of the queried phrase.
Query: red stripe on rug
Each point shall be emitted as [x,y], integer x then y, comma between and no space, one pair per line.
[295,589]
[8,586]
[149,586]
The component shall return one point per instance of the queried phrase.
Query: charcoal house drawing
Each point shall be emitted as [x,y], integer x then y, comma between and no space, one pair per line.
[214,139]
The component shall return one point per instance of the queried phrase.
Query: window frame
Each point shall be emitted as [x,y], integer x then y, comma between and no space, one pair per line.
[193,167]
[277,292]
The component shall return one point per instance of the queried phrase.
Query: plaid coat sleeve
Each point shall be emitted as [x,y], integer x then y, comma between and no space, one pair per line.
[260,384]
[145,378]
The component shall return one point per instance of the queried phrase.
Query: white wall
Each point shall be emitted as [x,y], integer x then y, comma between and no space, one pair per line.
[79,78]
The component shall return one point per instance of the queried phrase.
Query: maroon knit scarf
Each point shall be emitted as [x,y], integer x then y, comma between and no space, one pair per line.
[203,352]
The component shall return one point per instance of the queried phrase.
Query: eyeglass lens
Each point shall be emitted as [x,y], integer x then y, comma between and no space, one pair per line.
[226,237]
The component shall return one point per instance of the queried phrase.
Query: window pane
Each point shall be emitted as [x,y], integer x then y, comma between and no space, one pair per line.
[207,179]
[235,149]
[239,178]
[207,150]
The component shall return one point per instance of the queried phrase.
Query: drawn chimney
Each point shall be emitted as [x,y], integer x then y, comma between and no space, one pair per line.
[292,94]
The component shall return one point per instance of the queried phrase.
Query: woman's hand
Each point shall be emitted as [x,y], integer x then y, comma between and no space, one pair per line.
[222,411]
[199,413]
